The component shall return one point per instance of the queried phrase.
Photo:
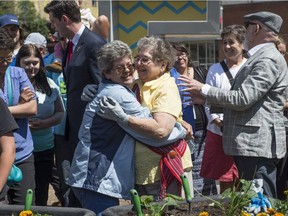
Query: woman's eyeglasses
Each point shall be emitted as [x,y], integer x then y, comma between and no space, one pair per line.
[143,60]
[182,56]
[122,68]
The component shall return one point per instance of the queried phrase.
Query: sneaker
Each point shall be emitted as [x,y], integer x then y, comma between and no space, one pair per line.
[55,67]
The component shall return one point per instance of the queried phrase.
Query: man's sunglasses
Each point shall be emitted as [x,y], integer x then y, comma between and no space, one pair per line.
[246,24]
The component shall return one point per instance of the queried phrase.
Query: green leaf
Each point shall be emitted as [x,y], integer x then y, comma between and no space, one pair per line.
[146,200]
[175,197]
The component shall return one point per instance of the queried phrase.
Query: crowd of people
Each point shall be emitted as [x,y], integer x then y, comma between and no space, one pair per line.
[95,122]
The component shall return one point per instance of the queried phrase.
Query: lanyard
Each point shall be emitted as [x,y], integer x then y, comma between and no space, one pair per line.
[10,100]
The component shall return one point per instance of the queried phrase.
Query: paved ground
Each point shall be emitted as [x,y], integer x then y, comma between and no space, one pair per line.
[53,199]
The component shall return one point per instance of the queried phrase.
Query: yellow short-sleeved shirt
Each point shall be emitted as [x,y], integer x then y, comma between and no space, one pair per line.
[160,95]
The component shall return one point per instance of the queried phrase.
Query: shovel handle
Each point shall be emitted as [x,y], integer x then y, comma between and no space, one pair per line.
[186,188]
[28,200]
[136,201]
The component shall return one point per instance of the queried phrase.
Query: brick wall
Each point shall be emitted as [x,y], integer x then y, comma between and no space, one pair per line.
[233,14]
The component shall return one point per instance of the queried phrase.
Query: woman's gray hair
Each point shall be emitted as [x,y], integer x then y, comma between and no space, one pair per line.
[161,50]
[111,52]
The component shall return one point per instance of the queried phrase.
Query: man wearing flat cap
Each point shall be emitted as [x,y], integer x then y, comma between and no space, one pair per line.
[253,127]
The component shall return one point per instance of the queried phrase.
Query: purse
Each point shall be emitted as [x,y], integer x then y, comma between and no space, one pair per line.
[15,173]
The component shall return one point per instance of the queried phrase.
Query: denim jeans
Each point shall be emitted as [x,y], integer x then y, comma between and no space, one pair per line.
[94,201]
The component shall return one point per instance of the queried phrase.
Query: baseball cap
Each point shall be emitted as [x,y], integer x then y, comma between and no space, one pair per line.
[36,38]
[8,19]
[271,20]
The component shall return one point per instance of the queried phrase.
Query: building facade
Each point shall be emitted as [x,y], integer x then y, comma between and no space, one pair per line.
[195,23]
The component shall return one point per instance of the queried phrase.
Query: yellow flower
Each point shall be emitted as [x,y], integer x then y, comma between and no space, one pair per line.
[278,214]
[262,214]
[286,192]
[204,213]
[271,211]
[243,213]
[26,213]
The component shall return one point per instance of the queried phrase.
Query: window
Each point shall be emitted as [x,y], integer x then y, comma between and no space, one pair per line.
[204,53]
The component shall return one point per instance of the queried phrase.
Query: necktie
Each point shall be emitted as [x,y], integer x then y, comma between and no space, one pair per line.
[70,50]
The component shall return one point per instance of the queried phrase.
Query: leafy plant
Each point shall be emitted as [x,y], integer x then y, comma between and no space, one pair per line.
[238,200]
[238,197]
[157,209]
[281,206]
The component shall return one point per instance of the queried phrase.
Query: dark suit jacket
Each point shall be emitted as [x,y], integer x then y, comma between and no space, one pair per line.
[81,70]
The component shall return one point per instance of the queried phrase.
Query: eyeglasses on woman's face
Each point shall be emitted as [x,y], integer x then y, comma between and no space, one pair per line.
[119,69]
[145,60]
[182,56]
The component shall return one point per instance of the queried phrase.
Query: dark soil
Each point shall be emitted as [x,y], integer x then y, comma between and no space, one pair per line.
[196,208]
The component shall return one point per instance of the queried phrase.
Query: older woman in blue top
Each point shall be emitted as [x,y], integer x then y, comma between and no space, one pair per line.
[17,91]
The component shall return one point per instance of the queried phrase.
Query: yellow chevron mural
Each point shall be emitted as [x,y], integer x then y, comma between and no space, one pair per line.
[134,15]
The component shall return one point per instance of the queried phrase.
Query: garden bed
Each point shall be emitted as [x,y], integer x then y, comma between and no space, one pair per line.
[9,210]
[198,205]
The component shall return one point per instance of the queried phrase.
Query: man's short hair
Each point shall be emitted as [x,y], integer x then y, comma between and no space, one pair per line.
[64,7]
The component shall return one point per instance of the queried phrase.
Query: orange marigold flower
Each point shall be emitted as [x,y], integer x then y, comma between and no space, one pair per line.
[271,211]
[278,214]
[26,213]
[204,213]
[243,213]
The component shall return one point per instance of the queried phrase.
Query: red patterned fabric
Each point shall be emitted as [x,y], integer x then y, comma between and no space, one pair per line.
[170,164]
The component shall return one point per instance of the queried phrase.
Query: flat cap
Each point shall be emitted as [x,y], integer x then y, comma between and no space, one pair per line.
[271,20]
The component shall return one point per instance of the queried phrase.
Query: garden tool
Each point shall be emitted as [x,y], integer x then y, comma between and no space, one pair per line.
[186,190]
[136,201]
[28,202]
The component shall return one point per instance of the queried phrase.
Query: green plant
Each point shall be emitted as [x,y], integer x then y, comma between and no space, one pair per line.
[156,209]
[238,200]
[281,206]
[239,197]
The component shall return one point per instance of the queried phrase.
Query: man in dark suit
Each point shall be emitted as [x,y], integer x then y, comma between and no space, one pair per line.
[80,69]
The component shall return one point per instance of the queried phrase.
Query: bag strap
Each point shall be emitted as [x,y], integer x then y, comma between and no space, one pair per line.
[10,93]
[227,72]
